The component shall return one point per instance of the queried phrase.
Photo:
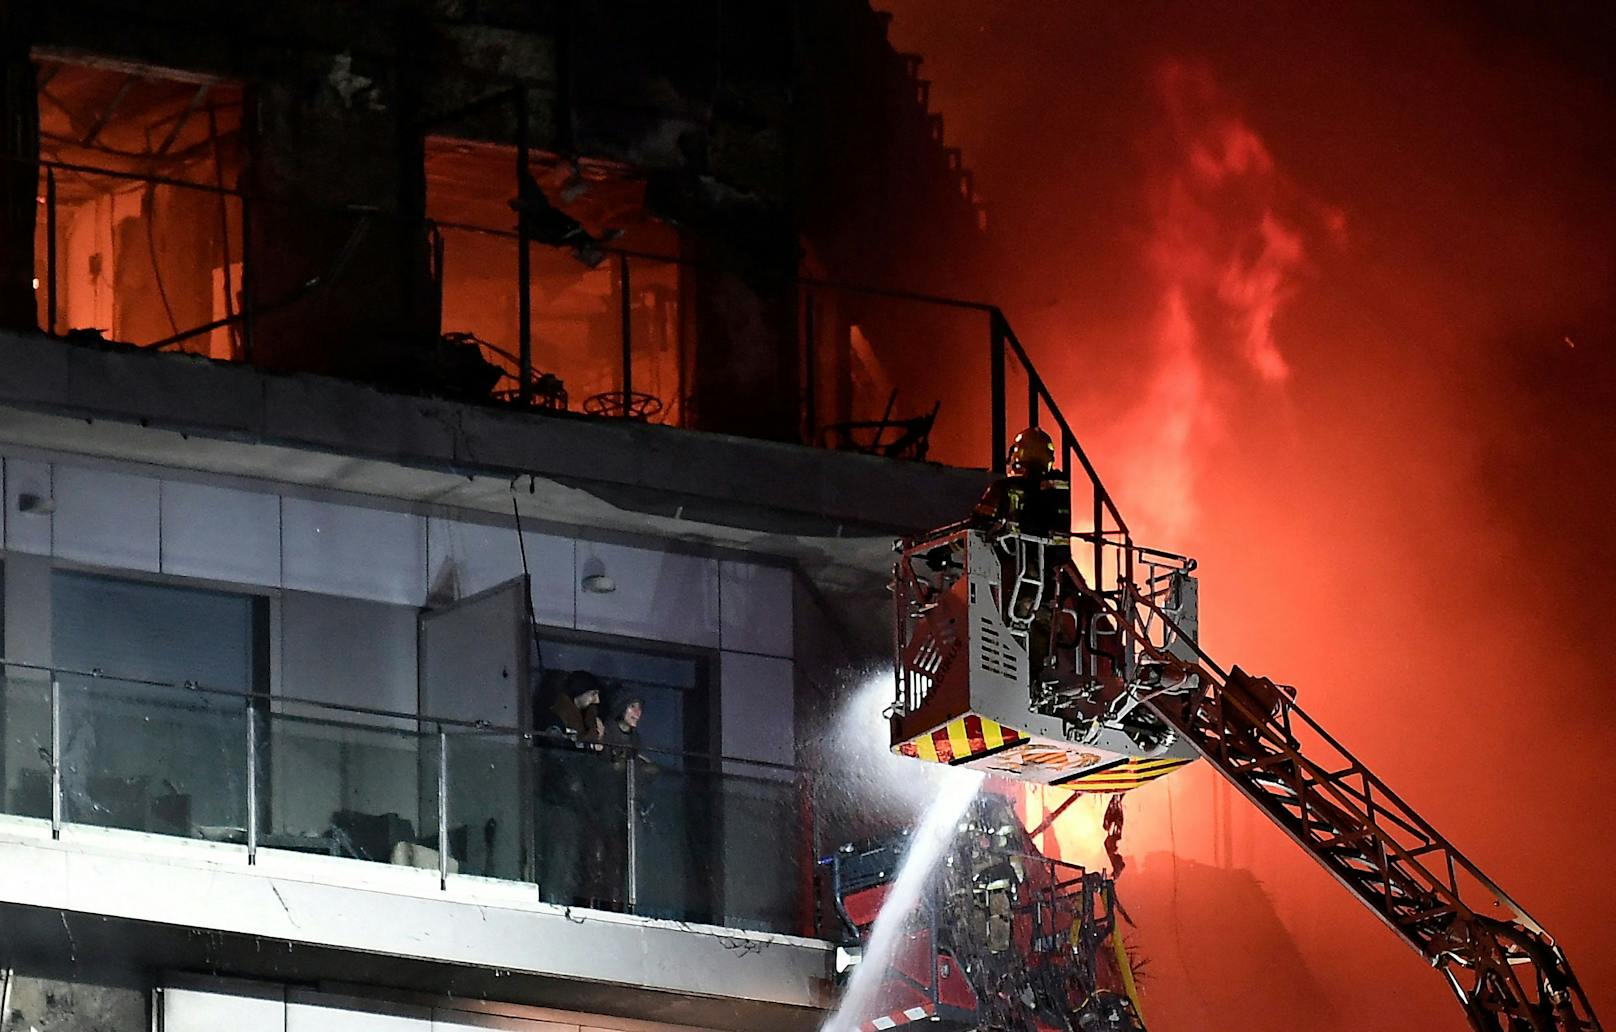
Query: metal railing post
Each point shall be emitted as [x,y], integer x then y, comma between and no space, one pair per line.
[531,867]
[50,251]
[56,758]
[1099,542]
[443,809]
[1033,389]
[810,385]
[252,781]
[625,302]
[247,281]
[631,892]
[996,396]
[524,267]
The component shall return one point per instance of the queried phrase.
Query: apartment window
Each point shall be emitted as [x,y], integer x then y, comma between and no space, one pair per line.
[144,745]
[145,261]
[581,320]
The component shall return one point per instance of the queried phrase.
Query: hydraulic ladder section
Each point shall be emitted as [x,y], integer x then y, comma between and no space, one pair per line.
[1506,970]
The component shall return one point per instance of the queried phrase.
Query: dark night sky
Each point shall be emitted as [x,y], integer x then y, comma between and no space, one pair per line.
[1328,292]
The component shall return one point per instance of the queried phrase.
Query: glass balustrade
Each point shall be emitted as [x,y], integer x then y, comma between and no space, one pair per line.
[25,744]
[348,785]
[667,836]
[155,758]
[489,778]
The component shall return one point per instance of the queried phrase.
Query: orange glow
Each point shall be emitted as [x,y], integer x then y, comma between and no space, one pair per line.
[137,261]
[1076,836]
[577,317]
[1223,261]
[1304,281]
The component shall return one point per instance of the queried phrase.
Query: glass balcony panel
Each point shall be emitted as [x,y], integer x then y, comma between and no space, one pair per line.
[339,787]
[718,846]
[489,804]
[764,851]
[25,745]
[901,378]
[678,838]
[580,828]
[154,758]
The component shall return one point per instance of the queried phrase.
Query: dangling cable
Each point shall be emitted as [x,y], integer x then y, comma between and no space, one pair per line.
[527,595]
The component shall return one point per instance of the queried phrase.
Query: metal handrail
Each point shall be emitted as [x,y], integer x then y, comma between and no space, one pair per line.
[117,173]
[633,764]
[450,725]
[1004,345]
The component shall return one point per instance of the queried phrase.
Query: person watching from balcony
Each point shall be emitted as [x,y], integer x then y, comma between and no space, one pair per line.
[574,711]
[609,847]
[570,728]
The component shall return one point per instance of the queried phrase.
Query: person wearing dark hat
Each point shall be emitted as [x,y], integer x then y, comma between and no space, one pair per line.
[623,730]
[574,710]
[570,730]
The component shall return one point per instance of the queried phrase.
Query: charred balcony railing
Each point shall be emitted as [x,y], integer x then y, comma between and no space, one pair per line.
[657,834]
[885,372]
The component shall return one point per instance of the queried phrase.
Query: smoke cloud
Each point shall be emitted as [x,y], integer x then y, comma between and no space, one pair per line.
[1327,293]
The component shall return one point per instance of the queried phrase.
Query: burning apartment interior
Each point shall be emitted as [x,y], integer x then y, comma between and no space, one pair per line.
[391,396]
[626,276]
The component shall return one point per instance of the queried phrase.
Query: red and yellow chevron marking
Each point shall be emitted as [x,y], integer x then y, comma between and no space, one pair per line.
[1124,776]
[960,739]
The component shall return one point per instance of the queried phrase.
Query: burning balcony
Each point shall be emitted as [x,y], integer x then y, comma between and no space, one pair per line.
[571,287]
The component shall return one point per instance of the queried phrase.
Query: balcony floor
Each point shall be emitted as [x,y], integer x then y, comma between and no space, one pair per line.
[153,903]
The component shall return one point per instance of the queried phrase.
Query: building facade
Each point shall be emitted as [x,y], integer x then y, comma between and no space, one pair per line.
[335,450]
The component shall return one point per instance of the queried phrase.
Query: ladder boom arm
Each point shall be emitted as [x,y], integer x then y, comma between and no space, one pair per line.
[1508,973]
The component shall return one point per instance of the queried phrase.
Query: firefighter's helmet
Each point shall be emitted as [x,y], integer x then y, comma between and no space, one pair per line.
[1032,453]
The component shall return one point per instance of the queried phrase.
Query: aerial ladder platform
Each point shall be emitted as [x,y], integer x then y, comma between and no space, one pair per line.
[1073,660]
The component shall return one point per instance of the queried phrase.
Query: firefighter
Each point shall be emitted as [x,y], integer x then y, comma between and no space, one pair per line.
[1028,514]
[1033,498]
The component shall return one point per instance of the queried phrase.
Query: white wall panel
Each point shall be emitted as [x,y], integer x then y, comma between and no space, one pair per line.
[756,700]
[106,518]
[465,558]
[220,533]
[757,714]
[382,909]
[26,531]
[214,1004]
[251,1009]
[352,551]
[348,651]
[755,602]
[663,596]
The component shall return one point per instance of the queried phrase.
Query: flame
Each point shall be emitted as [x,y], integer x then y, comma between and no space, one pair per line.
[1076,836]
[1226,256]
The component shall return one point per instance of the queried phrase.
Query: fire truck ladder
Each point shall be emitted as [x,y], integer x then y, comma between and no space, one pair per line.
[1507,971]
